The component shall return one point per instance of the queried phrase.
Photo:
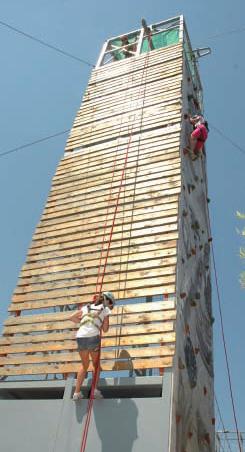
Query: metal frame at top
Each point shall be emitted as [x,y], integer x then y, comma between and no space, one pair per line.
[133,42]
[134,48]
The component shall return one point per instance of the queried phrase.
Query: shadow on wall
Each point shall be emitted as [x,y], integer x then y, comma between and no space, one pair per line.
[115,421]
[117,426]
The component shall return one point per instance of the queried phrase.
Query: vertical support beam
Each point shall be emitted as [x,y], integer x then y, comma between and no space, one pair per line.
[141,37]
[181,29]
[101,55]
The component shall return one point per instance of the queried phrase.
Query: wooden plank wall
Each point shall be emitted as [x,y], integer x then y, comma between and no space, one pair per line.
[139,97]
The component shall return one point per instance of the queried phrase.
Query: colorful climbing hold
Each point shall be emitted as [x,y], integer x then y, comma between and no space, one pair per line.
[178,418]
[181,364]
[193,303]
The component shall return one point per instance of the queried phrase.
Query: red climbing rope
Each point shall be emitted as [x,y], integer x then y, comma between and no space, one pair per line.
[102,268]
[102,274]
[222,329]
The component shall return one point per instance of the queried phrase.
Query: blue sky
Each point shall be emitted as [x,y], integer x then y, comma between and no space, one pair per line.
[41,92]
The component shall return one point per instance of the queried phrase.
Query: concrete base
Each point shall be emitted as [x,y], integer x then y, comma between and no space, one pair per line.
[138,423]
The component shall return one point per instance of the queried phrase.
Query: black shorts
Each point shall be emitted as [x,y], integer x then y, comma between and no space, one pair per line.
[88,343]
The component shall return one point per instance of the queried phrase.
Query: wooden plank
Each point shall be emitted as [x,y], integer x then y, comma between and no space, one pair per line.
[163,71]
[114,331]
[120,257]
[132,112]
[96,208]
[144,142]
[92,161]
[154,97]
[171,125]
[120,142]
[84,272]
[76,227]
[166,250]
[65,242]
[122,320]
[94,156]
[131,67]
[162,203]
[93,186]
[117,163]
[107,131]
[153,234]
[120,278]
[129,70]
[74,300]
[132,88]
[97,199]
[131,308]
[146,363]
[144,167]
[7,348]
[158,87]
[158,176]
[140,74]
[117,354]
[159,94]
[137,110]
[123,253]
[109,284]
[129,180]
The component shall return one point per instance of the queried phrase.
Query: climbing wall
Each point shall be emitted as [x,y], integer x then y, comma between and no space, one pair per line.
[193,397]
[132,106]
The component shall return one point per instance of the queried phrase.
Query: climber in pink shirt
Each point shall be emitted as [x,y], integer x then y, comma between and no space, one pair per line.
[198,136]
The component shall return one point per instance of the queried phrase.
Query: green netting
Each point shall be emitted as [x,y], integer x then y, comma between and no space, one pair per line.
[121,54]
[164,39]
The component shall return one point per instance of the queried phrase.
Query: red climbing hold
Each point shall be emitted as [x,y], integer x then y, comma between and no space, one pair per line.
[207,438]
[182,295]
[178,418]
[193,303]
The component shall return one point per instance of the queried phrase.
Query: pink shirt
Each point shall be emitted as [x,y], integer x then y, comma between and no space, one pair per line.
[201,134]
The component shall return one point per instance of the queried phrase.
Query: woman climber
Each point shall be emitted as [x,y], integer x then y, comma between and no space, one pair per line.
[93,319]
[198,136]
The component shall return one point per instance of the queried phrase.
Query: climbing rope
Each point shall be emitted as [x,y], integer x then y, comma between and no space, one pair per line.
[102,267]
[222,323]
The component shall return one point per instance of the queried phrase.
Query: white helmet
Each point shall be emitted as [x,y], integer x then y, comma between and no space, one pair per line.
[198,119]
[110,297]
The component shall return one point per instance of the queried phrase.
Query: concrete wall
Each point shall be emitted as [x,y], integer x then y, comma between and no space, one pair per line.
[117,425]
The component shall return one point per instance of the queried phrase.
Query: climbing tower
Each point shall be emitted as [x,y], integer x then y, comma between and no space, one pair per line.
[127,212]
